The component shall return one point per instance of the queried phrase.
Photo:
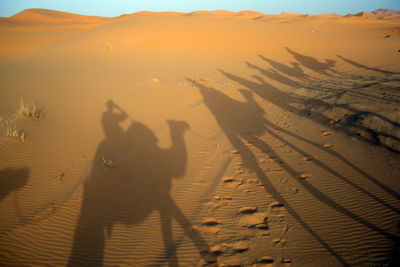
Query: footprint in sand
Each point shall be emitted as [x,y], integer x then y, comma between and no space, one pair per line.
[264,262]
[240,246]
[234,261]
[247,210]
[276,205]
[326,133]
[276,209]
[217,202]
[279,242]
[327,145]
[302,175]
[232,182]
[222,198]
[216,250]
[236,246]
[286,262]
[249,191]
[250,218]
[210,226]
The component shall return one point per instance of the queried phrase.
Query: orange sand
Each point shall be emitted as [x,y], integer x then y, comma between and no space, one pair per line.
[200,139]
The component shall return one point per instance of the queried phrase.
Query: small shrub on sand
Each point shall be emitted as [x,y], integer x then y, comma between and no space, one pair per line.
[15,133]
[108,45]
[107,163]
[29,110]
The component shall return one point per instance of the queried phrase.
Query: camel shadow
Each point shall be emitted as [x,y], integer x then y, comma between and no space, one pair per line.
[237,119]
[130,178]
[316,109]
[324,68]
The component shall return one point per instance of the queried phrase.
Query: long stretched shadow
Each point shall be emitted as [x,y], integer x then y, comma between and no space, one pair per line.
[131,177]
[12,180]
[350,124]
[295,72]
[290,103]
[362,66]
[275,75]
[325,68]
[233,117]
[304,107]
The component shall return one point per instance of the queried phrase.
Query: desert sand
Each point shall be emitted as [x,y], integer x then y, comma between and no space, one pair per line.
[209,138]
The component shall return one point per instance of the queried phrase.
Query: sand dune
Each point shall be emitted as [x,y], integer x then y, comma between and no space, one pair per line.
[46,16]
[386,12]
[210,138]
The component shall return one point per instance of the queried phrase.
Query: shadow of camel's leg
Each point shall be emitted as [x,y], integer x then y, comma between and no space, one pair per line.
[339,157]
[270,188]
[319,195]
[262,147]
[166,230]
[89,241]
[193,234]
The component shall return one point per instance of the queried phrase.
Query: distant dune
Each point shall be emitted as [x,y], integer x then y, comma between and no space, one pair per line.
[36,15]
[377,14]
[386,12]
[46,16]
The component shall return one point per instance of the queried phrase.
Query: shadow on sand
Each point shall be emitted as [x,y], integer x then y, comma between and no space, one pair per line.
[316,108]
[362,66]
[290,103]
[12,180]
[237,119]
[127,192]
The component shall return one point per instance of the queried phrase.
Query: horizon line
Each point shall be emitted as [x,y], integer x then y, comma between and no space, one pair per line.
[188,12]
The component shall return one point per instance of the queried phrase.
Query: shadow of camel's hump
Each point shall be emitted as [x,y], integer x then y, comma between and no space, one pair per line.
[129,191]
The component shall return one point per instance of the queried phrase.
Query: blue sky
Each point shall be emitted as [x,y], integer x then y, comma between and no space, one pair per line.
[118,7]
